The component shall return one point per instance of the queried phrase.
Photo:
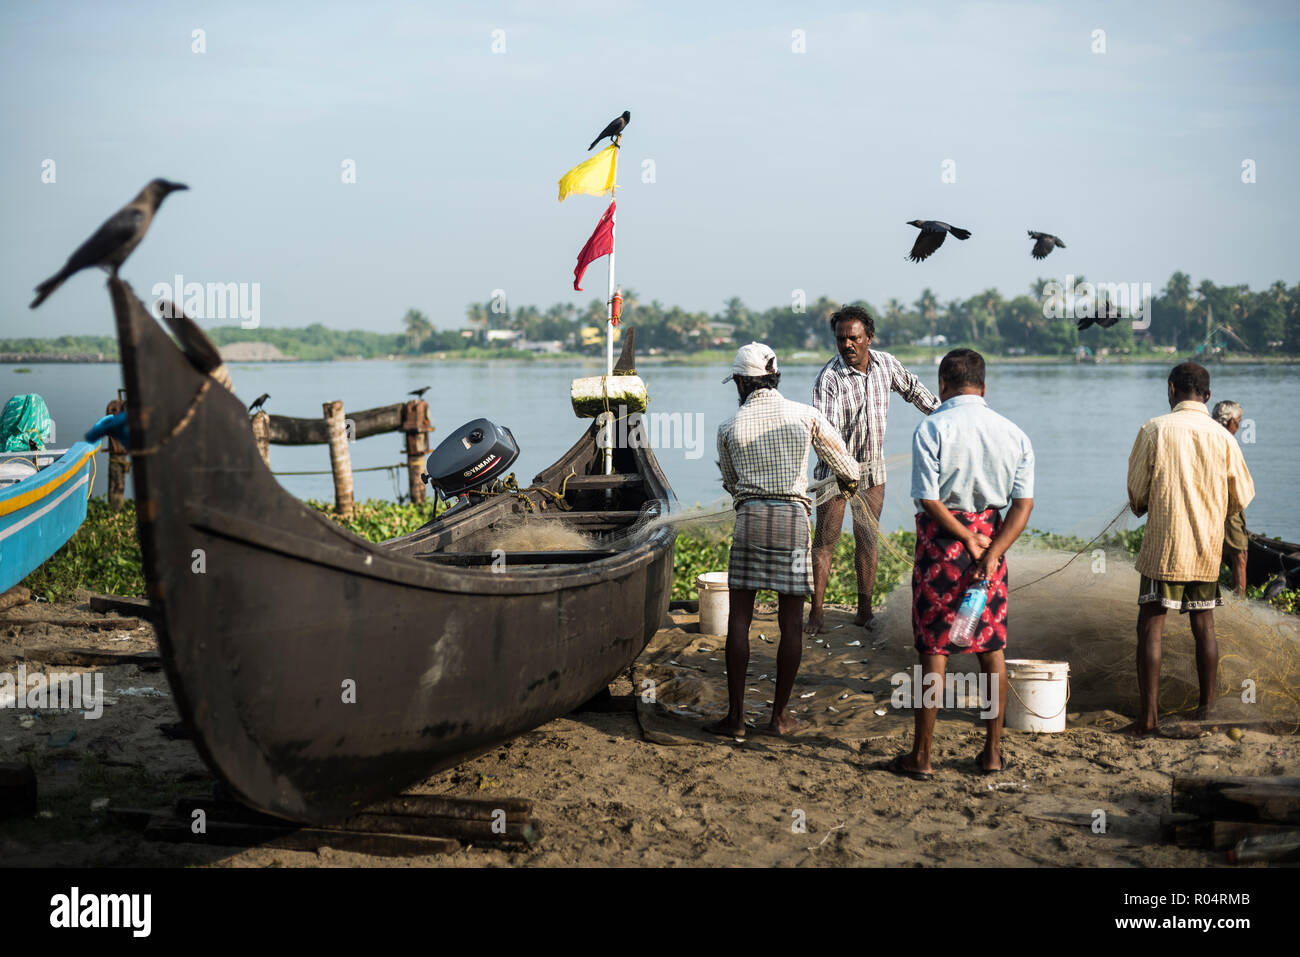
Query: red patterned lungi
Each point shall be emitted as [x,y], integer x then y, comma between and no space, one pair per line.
[943,571]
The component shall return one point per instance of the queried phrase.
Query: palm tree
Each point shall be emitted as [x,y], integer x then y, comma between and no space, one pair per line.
[418,328]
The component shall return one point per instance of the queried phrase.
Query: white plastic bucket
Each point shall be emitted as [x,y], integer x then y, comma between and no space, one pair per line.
[1039,692]
[715,602]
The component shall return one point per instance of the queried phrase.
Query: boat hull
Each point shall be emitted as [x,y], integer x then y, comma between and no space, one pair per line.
[322,672]
[39,514]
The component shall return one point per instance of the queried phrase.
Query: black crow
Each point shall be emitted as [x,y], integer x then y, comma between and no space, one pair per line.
[1045,244]
[258,403]
[115,239]
[419,393]
[1107,315]
[615,127]
[931,237]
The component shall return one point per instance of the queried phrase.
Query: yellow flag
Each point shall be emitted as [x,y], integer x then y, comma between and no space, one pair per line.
[594,176]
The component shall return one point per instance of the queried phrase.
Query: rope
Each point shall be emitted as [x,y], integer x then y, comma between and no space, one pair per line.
[94,471]
[180,426]
[1076,554]
[372,468]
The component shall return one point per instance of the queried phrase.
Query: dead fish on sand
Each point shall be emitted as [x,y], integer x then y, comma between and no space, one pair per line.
[810,694]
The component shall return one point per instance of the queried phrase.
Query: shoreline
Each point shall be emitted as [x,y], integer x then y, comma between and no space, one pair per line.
[23,359]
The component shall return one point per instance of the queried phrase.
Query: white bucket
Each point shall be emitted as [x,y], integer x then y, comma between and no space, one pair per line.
[1039,692]
[715,602]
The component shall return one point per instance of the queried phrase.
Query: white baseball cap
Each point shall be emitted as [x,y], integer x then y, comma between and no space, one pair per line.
[755,359]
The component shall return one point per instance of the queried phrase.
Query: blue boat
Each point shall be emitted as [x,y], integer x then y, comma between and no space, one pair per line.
[41,512]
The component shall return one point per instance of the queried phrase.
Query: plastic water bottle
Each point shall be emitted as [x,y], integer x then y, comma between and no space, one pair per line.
[967,619]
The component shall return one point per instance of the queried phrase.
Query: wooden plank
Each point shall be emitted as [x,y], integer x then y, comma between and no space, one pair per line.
[437,805]
[1221,835]
[287,430]
[95,657]
[122,604]
[230,834]
[587,483]
[479,831]
[18,595]
[100,624]
[1268,799]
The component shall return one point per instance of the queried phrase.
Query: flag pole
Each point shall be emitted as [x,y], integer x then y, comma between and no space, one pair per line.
[609,312]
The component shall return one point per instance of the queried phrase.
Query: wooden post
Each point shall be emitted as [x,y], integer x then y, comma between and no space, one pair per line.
[340,458]
[262,435]
[416,425]
[119,463]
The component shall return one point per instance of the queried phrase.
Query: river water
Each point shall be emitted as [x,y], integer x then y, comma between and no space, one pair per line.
[1081,420]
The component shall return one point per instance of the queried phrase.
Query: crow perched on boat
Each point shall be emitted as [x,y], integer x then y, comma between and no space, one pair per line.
[419,393]
[258,402]
[932,236]
[1046,242]
[115,239]
[616,126]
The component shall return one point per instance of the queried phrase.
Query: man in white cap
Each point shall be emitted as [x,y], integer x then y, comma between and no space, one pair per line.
[763,453]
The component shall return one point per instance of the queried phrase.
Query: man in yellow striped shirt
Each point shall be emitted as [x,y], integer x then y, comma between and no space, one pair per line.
[1187,474]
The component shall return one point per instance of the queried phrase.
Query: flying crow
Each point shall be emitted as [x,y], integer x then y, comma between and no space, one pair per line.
[1107,316]
[115,239]
[1046,242]
[931,237]
[419,393]
[258,403]
[615,127]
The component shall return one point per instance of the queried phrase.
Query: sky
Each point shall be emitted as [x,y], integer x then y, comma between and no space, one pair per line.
[749,168]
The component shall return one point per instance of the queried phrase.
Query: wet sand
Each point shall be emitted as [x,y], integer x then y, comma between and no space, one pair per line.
[650,788]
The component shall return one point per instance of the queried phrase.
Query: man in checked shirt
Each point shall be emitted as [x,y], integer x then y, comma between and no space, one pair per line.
[852,391]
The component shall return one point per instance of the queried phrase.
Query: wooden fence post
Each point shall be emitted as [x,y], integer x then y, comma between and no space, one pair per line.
[340,458]
[119,463]
[416,425]
[262,434]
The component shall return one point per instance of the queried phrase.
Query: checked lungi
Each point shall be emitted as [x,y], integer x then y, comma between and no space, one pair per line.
[944,570]
[771,547]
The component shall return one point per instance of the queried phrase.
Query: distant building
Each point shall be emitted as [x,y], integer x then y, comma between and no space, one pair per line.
[504,336]
[936,340]
[542,346]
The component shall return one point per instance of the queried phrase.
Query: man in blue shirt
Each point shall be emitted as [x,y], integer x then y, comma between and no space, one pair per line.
[968,463]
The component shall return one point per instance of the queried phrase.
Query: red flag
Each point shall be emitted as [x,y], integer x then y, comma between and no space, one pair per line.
[600,244]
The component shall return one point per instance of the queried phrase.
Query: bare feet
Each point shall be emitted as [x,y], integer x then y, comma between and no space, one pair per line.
[815,623]
[1139,729]
[784,724]
[865,620]
[727,727]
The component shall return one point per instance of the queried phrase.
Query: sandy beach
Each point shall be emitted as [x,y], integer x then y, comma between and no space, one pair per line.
[648,787]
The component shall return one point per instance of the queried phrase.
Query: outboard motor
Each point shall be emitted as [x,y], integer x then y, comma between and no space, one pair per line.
[473,458]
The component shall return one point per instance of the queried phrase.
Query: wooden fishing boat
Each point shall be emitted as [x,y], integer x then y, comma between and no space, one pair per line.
[321,672]
[41,512]
[1266,558]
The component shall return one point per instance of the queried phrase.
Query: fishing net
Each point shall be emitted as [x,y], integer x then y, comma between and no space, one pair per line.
[1072,598]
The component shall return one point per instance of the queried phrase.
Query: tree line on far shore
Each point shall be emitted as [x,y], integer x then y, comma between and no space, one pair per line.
[1183,319]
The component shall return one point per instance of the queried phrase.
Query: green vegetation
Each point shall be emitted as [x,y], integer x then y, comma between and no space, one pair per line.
[1205,319]
[104,555]
[709,550]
